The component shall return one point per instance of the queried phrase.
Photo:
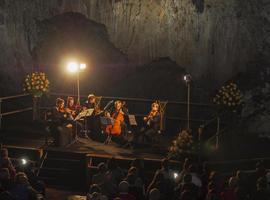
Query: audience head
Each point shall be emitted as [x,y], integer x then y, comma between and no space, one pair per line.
[261,183]
[154,194]
[112,164]
[232,182]
[21,179]
[4,174]
[214,176]
[138,163]
[192,169]
[102,167]
[4,153]
[94,188]
[165,163]
[187,178]
[186,163]
[123,187]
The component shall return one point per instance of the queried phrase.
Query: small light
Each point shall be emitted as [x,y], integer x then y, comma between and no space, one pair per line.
[82,66]
[175,175]
[24,161]
[187,78]
[72,67]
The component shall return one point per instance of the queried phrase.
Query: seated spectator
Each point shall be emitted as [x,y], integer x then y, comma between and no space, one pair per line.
[184,170]
[124,191]
[187,186]
[160,183]
[114,173]
[195,178]
[99,178]
[5,180]
[154,194]
[262,193]
[213,193]
[5,162]
[241,193]
[6,196]
[228,193]
[135,183]
[22,190]
[187,195]
[94,193]
[216,180]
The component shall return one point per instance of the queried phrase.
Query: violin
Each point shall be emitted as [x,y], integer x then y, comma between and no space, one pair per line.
[150,117]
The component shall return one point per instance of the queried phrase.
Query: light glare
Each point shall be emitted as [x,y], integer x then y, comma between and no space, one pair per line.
[82,66]
[72,67]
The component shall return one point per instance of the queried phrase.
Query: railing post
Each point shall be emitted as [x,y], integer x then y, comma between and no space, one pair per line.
[217,133]
[0,114]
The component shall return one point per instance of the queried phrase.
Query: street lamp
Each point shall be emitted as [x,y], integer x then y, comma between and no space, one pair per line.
[187,79]
[75,67]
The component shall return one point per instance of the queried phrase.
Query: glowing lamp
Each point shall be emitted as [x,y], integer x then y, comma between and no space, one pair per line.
[82,66]
[72,67]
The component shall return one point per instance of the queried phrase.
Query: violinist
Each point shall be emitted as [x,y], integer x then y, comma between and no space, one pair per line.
[71,107]
[119,128]
[152,122]
[59,119]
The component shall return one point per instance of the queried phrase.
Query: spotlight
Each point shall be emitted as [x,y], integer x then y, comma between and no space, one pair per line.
[82,66]
[175,175]
[187,78]
[72,67]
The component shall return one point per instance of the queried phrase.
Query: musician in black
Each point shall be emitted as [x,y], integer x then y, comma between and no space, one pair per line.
[151,126]
[93,122]
[59,119]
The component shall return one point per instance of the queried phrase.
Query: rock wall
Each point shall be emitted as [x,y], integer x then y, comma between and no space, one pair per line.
[212,39]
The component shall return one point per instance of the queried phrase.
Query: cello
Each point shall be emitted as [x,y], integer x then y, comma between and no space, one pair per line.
[118,118]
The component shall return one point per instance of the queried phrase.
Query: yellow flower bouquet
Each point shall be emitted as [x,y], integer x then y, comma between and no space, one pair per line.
[36,84]
[229,96]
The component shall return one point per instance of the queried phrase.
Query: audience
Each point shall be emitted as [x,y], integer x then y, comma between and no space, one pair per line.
[111,183]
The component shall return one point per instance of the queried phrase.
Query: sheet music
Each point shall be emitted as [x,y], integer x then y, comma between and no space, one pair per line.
[132,120]
[84,113]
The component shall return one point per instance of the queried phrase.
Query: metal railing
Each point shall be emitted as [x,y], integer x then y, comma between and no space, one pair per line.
[175,112]
[2,114]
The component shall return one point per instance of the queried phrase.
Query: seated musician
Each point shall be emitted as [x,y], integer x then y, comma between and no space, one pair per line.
[93,122]
[71,107]
[119,128]
[152,122]
[72,111]
[59,119]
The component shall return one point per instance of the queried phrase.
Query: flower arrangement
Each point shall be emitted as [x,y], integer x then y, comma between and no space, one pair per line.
[229,96]
[36,84]
[182,145]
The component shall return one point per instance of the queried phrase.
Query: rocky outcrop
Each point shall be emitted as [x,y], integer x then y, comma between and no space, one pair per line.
[213,40]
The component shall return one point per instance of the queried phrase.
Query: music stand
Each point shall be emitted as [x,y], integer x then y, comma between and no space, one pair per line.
[83,115]
[105,121]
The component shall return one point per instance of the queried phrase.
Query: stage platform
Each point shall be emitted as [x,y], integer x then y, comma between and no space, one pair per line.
[36,140]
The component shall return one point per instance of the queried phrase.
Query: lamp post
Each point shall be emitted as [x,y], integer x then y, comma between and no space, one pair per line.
[75,67]
[187,79]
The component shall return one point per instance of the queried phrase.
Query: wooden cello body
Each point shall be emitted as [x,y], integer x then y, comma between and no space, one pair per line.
[115,129]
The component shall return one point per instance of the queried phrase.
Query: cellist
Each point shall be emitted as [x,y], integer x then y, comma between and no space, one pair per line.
[119,127]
